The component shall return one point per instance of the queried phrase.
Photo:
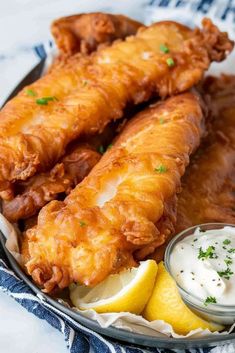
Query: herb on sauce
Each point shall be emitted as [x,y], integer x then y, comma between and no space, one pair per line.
[209,253]
[228,262]
[225,274]
[210,300]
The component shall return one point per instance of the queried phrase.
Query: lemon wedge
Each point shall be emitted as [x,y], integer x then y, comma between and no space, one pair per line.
[166,304]
[127,291]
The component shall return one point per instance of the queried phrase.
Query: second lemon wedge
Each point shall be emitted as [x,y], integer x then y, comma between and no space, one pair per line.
[127,291]
[166,304]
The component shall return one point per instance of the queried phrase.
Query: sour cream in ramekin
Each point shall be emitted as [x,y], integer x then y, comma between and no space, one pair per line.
[202,262]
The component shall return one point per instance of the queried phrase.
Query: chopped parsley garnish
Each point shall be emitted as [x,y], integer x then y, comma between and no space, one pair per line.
[225,274]
[161,121]
[228,262]
[164,48]
[161,169]
[231,251]
[170,62]
[210,300]
[82,224]
[226,242]
[31,93]
[101,149]
[109,146]
[45,100]
[209,253]
[195,240]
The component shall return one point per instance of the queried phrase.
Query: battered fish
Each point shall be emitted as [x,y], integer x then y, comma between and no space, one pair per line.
[85,33]
[208,187]
[36,192]
[125,208]
[86,94]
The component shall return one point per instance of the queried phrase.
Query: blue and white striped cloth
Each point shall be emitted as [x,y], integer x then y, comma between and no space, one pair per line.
[80,339]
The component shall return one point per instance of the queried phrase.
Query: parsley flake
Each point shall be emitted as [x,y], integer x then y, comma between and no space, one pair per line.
[225,274]
[226,242]
[170,62]
[31,93]
[231,251]
[45,100]
[228,262]
[109,146]
[210,300]
[82,224]
[161,169]
[209,253]
[101,149]
[164,48]
[161,121]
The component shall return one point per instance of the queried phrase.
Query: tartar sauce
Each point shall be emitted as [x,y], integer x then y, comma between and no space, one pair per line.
[204,265]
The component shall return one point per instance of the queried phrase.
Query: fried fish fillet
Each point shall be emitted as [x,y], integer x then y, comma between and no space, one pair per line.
[125,208]
[29,196]
[85,33]
[208,187]
[85,95]
[37,191]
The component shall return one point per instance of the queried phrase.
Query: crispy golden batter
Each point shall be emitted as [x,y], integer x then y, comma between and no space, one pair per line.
[125,207]
[208,190]
[88,93]
[208,193]
[86,32]
[37,191]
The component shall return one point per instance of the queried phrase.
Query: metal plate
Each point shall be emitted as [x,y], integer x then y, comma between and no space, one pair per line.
[112,332]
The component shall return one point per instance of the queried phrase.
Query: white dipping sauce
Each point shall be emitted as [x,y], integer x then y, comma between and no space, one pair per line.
[204,265]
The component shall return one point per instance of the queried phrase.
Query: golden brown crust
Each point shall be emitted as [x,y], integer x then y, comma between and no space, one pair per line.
[208,193]
[125,207]
[84,33]
[208,184]
[90,92]
[44,187]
